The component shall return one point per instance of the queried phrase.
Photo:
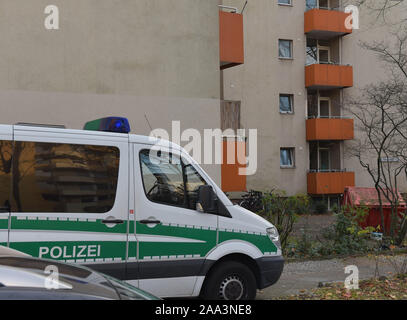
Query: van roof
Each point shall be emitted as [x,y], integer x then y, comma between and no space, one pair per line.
[133,138]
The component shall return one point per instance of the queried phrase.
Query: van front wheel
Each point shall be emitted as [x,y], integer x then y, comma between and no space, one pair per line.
[230,281]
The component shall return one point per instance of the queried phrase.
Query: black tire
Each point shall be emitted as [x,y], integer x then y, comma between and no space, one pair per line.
[230,280]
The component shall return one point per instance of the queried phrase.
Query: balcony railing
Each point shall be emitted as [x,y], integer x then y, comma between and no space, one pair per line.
[333,128]
[328,76]
[321,182]
[231,39]
[325,24]
[232,177]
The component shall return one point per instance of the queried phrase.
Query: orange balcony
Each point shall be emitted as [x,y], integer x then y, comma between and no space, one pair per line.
[325,24]
[328,76]
[330,129]
[329,182]
[231,41]
[233,152]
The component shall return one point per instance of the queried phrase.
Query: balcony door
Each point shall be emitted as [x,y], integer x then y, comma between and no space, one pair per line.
[321,4]
[324,163]
[324,55]
[324,4]
[324,107]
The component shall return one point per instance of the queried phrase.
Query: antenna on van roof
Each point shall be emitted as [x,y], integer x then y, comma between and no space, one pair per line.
[244,7]
[148,122]
[43,125]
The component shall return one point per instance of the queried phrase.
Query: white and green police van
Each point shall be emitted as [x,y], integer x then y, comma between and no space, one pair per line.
[110,200]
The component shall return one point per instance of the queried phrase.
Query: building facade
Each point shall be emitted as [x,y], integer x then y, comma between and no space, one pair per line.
[152,61]
[283,67]
[301,66]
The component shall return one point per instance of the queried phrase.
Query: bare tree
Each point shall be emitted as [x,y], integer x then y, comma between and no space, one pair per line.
[381,9]
[381,111]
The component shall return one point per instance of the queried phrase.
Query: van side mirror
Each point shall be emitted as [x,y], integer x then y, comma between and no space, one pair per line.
[207,200]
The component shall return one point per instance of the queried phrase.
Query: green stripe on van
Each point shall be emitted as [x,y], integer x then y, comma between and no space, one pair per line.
[147,249]
[67,225]
[176,249]
[196,233]
[74,250]
[261,241]
[3,224]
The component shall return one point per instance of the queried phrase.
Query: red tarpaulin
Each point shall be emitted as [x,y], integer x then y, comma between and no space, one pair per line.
[357,196]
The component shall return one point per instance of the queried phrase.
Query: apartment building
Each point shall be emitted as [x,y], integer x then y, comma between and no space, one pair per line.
[301,64]
[152,61]
[283,67]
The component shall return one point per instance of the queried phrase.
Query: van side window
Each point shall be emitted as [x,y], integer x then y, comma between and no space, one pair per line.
[193,181]
[169,180]
[162,177]
[69,178]
[5,174]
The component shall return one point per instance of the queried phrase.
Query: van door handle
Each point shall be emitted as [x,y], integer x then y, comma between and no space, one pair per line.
[150,221]
[113,221]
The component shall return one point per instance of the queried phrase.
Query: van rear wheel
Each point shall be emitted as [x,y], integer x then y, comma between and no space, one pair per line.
[230,281]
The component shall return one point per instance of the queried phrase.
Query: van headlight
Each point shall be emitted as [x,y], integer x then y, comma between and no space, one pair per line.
[272,232]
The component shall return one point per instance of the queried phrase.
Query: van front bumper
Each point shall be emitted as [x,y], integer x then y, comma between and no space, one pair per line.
[270,269]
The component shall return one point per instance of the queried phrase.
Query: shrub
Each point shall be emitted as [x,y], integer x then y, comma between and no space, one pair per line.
[346,235]
[283,211]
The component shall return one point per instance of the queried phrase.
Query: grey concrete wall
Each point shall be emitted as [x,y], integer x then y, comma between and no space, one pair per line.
[142,47]
[112,57]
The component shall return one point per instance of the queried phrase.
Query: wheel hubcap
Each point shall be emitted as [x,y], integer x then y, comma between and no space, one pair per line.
[231,288]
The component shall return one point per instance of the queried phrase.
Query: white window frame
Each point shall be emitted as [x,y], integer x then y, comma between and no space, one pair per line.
[290,4]
[291,49]
[319,105]
[291,97]
[292,152]
[329,53]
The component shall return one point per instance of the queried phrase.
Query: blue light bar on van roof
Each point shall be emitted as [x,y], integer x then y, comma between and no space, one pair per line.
[109,124]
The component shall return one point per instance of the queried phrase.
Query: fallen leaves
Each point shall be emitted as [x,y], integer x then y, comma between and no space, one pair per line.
[394,288]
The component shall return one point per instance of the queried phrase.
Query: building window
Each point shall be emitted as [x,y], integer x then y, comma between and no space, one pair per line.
[311,51]
[311,4]
[285,2]
[285,49]
[287,158]
[286,103]
[319,4]
[318,51]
